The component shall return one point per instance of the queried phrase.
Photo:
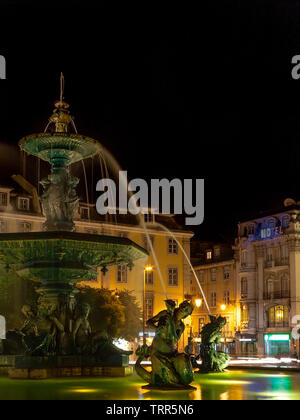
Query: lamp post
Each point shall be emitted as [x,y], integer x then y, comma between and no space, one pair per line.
[147,269]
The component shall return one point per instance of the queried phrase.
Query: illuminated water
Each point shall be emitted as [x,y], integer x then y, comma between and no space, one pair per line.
[235,385]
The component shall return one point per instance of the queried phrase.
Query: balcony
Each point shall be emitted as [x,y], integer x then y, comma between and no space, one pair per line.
[283,294]
[280,262]
[282,324]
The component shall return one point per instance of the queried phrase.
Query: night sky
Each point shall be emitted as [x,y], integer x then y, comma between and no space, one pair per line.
[171,92]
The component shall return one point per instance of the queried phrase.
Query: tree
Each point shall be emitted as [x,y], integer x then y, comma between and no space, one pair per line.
[133,322]
[107,312]
[14,293]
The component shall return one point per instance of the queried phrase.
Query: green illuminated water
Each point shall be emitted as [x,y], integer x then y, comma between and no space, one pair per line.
[234,385]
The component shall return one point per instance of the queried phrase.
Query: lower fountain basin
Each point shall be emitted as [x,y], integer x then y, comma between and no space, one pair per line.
[64,258]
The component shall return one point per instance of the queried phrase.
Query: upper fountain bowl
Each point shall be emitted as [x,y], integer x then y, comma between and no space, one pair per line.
[60,148]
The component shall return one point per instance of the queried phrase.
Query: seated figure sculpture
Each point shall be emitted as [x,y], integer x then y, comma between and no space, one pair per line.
[212,360]
[170,369]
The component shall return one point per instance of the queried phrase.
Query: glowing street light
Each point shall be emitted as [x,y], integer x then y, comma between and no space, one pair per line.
[198,302]
[147,269]
[223,307]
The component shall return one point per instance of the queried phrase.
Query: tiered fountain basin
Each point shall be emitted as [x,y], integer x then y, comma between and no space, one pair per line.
[65,147]
[58,260]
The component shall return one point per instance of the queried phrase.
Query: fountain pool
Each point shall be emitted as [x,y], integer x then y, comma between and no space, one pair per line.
[230,385]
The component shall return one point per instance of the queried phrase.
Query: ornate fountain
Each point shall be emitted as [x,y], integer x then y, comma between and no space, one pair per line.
[58,258]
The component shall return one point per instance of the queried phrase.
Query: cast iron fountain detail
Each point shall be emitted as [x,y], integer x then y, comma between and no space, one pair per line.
[58,258]
[212,360]
[170,369]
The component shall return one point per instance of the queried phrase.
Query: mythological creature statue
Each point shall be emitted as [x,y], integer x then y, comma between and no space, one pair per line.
[212,360]
[170,369]
[59,199]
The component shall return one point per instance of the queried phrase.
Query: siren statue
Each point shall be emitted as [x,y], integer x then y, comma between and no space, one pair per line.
[171,370]
[212,360]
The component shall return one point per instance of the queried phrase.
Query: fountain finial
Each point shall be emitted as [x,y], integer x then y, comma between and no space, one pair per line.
[61,118]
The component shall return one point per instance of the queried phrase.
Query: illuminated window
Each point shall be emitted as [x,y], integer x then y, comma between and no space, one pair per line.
[122,271]
[278,316]
[172,246]
[208,255]
[173,276]
[244,314]
[213,274]
[213,299]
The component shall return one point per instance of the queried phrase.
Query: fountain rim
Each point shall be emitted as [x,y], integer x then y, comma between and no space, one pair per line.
[56,135]
[72,236]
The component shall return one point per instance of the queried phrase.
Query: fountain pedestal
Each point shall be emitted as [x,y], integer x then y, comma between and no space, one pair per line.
[56,260]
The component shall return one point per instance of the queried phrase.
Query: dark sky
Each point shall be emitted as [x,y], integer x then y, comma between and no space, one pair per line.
[172,92]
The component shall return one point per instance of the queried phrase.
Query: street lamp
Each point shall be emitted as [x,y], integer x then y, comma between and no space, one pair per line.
[223,307]
[147,269]
[198,302]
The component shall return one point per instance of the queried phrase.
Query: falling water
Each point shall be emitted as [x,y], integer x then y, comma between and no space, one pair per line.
[116,168]
[86,185]
[187,259]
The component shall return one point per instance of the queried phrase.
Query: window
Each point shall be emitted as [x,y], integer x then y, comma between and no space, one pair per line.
[149,277]
[201,323]
[226,272]
[173,276]
[146,244]
[84,212]
[172,246]
[213,274]
[226,297]
[148,307]
[122,273]
[244,314]
[244,285]
[244,257]
[3,226]
[149,218]
[217,251]
[285,220]
[200,275]
[208,255]
[278,316]
[23,203]
[3,199]
[91,231]
[213,299]
[25,227]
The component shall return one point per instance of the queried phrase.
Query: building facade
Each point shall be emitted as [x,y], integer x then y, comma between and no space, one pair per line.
[20,211]
[215,269]
[267,257]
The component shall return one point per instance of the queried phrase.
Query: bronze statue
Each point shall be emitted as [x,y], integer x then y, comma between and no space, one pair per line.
[212,360]
[170,369]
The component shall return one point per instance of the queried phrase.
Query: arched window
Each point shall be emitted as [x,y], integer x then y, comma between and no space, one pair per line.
[278,316]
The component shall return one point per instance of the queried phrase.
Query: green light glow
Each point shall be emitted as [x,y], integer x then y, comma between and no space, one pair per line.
[277,337]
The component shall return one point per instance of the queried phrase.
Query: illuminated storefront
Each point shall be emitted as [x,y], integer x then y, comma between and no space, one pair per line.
[277,344]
